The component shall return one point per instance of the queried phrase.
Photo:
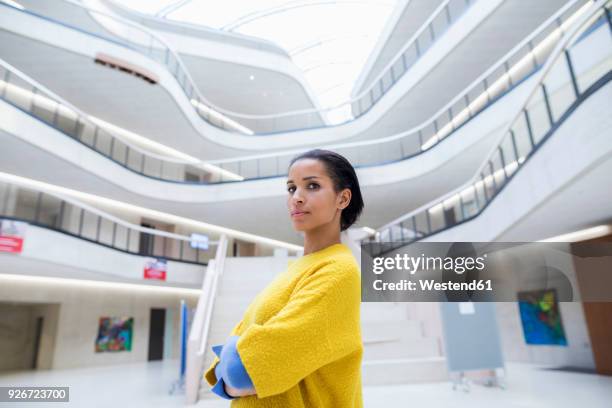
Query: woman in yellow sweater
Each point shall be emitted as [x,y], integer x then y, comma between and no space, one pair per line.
[299,341]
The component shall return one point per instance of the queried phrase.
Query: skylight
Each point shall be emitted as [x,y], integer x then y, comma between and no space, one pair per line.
[329,41]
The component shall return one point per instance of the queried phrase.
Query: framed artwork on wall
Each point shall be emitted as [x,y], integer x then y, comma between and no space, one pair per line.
[114,334]
[541,318]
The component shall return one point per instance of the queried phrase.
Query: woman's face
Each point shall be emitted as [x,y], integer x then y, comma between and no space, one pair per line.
[311,199]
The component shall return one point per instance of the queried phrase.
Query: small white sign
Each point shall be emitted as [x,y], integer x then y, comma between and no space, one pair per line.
[466,308]
[199,241]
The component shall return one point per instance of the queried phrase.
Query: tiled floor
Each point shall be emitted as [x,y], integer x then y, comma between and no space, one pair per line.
[148,385]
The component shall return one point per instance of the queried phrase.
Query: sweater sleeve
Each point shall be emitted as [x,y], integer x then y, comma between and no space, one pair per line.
[316,327]
[209,374]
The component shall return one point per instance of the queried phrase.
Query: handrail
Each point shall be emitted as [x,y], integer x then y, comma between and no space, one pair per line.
[490,179]
[219,269]
[97,231]
[200,328]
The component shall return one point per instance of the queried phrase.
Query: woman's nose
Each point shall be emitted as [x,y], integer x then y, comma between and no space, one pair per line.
[297,197]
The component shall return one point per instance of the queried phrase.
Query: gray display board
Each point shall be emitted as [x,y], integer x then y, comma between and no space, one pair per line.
[471,336]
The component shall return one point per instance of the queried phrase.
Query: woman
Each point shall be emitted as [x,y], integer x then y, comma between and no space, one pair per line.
[299,342]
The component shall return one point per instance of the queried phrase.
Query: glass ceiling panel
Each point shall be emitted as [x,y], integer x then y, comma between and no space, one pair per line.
[329,41]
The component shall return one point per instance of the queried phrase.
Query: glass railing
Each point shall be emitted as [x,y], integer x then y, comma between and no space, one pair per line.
[510,71]
[155,21]
[521,62]
[136,37]
[579,66]
[70,217]
[143,40]
[26,94]
[434,27]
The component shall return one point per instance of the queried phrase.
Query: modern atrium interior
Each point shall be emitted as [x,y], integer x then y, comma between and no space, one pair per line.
[145,149]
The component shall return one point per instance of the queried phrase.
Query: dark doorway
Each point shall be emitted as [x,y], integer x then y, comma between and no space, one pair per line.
[156,334]
[449,217]
[146,240]
[37,335]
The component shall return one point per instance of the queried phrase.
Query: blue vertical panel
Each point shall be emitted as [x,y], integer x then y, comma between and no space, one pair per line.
[471,336]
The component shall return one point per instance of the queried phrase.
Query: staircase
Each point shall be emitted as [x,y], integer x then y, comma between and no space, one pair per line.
[243,278]
[396,348]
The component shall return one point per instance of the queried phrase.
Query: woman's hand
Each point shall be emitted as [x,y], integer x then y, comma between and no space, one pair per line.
[238,392]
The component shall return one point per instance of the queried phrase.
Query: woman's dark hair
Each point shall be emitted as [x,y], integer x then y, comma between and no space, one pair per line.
[343,176]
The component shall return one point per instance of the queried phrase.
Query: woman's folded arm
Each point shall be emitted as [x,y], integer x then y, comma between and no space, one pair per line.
[316,327]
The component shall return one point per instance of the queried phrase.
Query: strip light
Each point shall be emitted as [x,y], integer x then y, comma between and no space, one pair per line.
[220,117]
[13,3]
[92,284]
[158,148]
[582,235]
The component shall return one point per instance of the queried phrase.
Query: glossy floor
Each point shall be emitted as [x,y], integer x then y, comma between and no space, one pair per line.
[148,385]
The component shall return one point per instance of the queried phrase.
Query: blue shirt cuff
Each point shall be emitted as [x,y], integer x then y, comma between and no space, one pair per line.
[235,372]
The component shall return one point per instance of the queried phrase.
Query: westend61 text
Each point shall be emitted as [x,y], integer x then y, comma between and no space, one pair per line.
[430,284]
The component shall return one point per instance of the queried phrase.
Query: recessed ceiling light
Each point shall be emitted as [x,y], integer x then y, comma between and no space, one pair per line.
[251,77]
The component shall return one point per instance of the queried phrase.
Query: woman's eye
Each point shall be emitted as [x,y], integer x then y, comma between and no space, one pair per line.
[291,189]
[314,185]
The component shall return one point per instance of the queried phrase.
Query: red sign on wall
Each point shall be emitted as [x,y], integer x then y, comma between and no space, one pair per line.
[12,234]
[155,269]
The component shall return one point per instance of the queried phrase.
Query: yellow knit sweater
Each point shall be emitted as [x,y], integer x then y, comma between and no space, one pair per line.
[300,338]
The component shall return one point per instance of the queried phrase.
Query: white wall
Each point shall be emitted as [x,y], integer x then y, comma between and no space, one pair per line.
[17,337]
[70,327]
[80,309]
[577,353]
[18,328]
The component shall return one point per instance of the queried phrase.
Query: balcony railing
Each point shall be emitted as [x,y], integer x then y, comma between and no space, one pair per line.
[143,40]
[79,220]
[568,78]
[521,62]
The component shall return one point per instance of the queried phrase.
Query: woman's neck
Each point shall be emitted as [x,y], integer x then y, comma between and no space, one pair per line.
[314,242]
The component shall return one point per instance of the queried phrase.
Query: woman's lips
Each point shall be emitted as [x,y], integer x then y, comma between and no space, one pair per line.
[297,214]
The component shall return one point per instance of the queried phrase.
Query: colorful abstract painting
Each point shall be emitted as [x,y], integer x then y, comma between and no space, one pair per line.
[115,334]
[541,317]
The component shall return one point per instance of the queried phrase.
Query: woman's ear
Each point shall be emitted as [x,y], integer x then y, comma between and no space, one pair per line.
[345,198]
